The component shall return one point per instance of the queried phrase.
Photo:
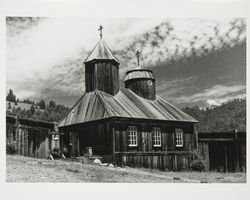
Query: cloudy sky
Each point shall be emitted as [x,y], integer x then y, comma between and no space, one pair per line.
[195,61]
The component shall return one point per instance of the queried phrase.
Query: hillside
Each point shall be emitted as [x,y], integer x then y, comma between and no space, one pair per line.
[227,117]
[27,169]
[26,106]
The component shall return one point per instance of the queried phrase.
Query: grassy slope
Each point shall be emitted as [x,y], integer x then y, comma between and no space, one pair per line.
[24,169]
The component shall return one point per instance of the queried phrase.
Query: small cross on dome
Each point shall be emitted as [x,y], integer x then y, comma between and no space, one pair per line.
[100,29]
[138,57]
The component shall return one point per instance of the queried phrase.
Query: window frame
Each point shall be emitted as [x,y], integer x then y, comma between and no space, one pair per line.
[132,136]
[157,137]
[179,139]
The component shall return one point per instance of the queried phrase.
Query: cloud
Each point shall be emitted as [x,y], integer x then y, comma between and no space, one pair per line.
[216,95]
[176,39]
[35,52]
[219,101]
[44,57]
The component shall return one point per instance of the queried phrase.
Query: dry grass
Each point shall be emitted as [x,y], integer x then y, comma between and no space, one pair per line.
[25,169]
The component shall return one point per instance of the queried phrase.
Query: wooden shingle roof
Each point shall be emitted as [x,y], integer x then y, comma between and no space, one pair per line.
[139,74]
[97,105]
[101,52]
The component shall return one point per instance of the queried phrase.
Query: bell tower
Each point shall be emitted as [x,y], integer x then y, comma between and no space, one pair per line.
[102,69]
[141,81]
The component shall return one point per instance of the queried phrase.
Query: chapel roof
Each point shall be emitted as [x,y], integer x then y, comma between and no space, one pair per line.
[98,105]
[139,73]
[101,52]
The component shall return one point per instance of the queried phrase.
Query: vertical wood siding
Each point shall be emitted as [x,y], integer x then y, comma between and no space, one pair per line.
[102,76]
[96,135]
[110,138]
[30,140]
[145,136]
[142,88]
[166,157]
[223,152]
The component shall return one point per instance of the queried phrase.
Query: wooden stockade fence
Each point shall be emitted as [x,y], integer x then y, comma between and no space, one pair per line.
[31,137]
[223,151]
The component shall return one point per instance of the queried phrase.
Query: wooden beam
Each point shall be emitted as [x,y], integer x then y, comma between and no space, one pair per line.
[158,153]
[113,145]
[215,139]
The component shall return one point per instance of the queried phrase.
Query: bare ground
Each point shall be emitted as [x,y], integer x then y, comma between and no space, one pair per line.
[25,169]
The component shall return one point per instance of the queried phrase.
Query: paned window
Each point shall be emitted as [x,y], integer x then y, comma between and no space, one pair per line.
[179,137]
[132,136]
[156,137]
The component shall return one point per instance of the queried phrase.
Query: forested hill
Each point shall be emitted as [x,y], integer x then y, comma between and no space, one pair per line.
[227,117]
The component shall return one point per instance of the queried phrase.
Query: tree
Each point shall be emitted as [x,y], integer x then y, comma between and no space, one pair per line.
[32,109]
[52,104]
[226,117]
[42,104]
[11,96]
[52,112]
[28,101]
[9,106]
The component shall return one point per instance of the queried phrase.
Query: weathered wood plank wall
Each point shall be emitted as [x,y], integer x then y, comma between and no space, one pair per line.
[102,76]
[31,138]
[96,135]
[157,160]
[223,152]
[142,88]
[109,138]
[166,157]
[145,136]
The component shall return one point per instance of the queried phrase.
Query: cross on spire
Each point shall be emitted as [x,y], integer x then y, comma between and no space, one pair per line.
[138,57]
[100,29]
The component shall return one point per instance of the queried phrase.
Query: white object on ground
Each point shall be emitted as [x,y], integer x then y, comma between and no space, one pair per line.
[110,165]
[97,162]
[105,164]
[51,157]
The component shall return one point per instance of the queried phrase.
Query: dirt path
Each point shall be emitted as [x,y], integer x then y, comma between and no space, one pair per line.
[25,169]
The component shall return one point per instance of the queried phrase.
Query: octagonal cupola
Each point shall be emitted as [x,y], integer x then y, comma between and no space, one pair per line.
[102,69]
[141,81]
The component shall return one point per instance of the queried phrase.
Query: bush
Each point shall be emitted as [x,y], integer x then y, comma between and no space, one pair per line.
[10,147]
[197,165]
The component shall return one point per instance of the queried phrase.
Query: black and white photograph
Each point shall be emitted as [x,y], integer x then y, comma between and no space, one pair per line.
[94,103]
[130,100]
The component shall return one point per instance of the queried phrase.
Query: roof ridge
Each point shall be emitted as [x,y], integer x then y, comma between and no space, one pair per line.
[148,100]
[176,108]
[91,51]
[110,50]
[125,89]
[101,51]
[103,104]
[72,108]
